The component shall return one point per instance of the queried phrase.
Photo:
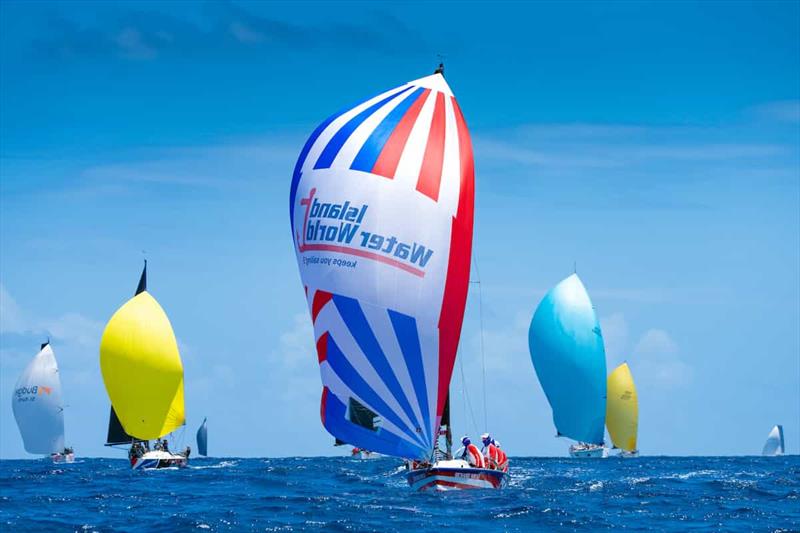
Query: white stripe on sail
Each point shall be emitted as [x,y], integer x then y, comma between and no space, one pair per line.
[451,164]
[382,326]
[407,173]
[429,343]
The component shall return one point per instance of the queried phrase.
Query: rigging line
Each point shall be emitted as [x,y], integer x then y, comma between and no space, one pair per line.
[465,395]
[483,351]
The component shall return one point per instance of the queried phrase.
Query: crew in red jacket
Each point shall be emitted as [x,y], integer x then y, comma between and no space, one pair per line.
[494,457]
[471,453]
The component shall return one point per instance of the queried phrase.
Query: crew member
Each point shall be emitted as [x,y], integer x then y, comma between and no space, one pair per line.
[471,453]
[490,452]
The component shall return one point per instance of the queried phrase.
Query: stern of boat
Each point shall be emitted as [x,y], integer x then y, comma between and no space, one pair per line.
[455,475]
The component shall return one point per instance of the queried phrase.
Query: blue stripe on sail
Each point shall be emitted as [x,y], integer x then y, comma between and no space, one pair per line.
[301,160]
[340,137]
[405,327]
[298,167]
[350,376]
[380,441]
[356,322]
[369,153]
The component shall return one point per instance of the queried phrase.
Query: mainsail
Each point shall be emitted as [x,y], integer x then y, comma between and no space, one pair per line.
[567,351]
[381,210]
[774,444]
[142,368]
[622,409]
[37,406]
[202,439]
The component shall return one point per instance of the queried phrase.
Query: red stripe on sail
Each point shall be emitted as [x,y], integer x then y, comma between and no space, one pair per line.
[323,403]
[320,299]
[430,175]
[322,347]
[455,289]
[387,162]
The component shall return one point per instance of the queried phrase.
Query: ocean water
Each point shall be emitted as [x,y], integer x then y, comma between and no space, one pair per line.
[343,494]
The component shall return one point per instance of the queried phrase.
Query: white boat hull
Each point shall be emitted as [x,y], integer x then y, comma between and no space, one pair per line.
[455,474]
[625,454]
[588,451]
[158,459]
[62,457]
[364,454]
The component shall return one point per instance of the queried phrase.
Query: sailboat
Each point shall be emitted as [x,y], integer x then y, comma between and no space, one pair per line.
[622,411]
[38,409]
[202,439]
[381,214]
[568,354]
[774,445]
[143,376]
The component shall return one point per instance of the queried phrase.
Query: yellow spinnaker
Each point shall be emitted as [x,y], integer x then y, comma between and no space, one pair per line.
[622,408]
[142,369]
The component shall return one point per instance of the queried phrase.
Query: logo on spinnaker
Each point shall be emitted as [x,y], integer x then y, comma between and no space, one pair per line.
[337,227]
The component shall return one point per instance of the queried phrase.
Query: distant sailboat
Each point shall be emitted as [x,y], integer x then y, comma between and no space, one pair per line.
[202,439]
[622,411]
[568,354]
[143,375]
[381,213]
[38,408]
[774,445]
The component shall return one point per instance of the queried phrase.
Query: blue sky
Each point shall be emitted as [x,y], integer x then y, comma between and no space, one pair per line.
[657,145]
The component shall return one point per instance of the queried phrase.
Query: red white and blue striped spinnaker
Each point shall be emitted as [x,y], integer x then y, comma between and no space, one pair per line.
[381,209]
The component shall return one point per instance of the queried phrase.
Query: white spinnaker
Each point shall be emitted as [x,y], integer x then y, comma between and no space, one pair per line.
[774,444]
[36,402]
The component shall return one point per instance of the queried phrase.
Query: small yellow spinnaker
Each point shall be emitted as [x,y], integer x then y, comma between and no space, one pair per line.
[622,409]
[142,367]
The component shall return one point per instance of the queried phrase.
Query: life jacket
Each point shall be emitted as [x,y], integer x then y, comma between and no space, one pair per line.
[502,460]
[492,455]
[474,456]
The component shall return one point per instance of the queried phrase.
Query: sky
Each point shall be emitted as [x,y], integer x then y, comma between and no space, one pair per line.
[654,146]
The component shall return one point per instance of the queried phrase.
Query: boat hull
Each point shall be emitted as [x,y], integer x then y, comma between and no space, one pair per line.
[363,454]
[158,459]
[590,452]
[456,476]
[623,454]
[63,457]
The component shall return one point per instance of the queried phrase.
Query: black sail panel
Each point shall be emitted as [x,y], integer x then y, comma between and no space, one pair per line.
[361,415]
[142,280]
[116,433]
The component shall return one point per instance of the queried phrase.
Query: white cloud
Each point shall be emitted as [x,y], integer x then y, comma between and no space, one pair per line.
[70,328]
[780,111]
[658,359]
[11,319]
[615,336]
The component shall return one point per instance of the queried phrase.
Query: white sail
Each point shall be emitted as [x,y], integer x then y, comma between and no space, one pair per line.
[774,444]
[36,402]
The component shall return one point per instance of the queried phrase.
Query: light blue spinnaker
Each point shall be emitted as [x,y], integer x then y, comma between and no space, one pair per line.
[202,439]
[567,351]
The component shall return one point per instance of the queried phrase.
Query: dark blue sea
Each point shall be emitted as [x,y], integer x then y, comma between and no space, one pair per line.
[343,494]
